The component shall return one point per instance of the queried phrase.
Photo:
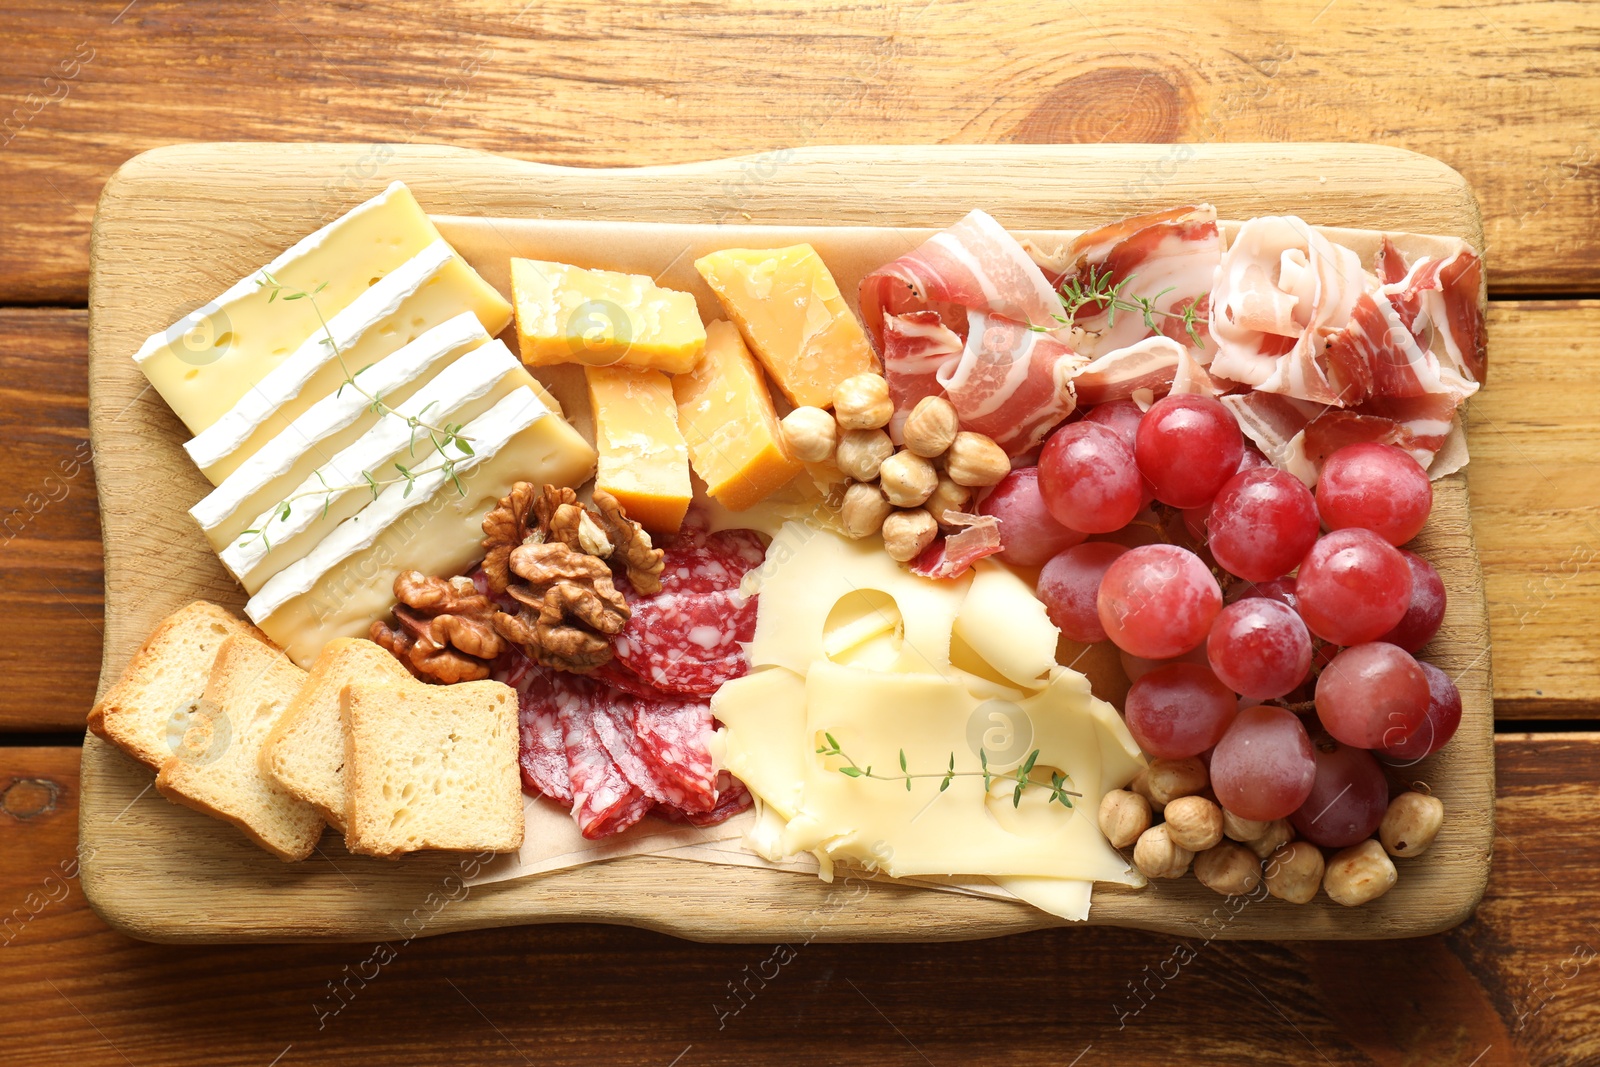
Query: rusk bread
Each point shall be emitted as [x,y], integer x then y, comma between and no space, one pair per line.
[304,753]
[146,711]
[431,767]
[217,768]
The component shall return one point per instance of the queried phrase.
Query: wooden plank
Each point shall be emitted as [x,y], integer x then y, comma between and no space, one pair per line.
[1535,477]
[144,244]
[1537,537]
[89,85]
[50,559]
[1518,983]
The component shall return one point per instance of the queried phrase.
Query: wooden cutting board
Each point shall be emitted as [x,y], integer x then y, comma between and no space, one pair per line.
[177,225]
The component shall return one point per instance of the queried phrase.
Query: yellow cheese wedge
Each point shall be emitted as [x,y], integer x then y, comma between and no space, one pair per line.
[601,318]
[644,461]
[792,314]
[726,416]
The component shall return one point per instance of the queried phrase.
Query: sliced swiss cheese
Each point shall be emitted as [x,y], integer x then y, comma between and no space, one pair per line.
[602,318]
[810,570]
[791,312]
[347,581]
[333,492]
[334,423]
[644,461]
[1007,626]
[432,287]
[726,416]
[203,363]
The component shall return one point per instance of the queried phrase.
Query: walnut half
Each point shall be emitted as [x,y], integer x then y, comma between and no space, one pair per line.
[446,629]
[570,608]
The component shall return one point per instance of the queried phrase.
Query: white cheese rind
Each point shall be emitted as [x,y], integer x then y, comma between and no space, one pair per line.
[436,530]
[432,287]
[337,490]
[203,363]
[334,423]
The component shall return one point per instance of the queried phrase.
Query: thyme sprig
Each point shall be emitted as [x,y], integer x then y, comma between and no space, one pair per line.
[1101,292]
[440,437]
[1059,793]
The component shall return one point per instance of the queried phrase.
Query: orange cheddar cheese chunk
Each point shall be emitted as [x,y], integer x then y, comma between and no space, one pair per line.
[792,315]
[644,461]
[601,318]
[727,418]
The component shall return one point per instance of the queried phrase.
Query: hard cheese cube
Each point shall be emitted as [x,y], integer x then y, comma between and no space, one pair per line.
[644,461]
[726,416]
[791,313]
[601,318]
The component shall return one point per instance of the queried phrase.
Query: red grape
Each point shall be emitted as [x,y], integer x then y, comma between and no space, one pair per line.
[1375,487]
[1088,478]
[1422,618]
[1179,710]
[1028,535]
[1264,765]
[1353,587]
[1259,648]
[1069,586]
[1438,726]
[1187,446]
[1158,601]
[1121,417]
[1372,696]
[1262,524]
[1348,797]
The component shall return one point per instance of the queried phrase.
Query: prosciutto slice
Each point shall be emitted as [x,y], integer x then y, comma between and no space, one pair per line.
[1281,290]
[975,265]
[1169,258]
[956,317]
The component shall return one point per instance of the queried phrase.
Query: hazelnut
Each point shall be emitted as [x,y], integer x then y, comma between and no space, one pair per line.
[810,434]
[931,427]
[1411,822]
[907,533]
[1157,857]
[1123,817]
[1245,830]
[862,402]
[1228,868]
[863,510]
[1278,832]
[1141,785]
[1173,778]
[1294,872]
[862,452]
[974,459]
[1359,874]
[1194,822]
[907,479]
[947,496]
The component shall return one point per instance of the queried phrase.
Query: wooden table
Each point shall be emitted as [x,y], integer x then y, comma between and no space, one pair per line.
[1508,94]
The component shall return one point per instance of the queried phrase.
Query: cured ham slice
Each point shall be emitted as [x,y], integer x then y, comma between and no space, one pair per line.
[915,346]
[1281,290]
[1297,435]
[1010,382]
[1169,258]
[1148,364]
[975,265]
[950,557]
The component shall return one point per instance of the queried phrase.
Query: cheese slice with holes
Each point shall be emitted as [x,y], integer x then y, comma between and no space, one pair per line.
[284,532]
[333,424]
[346,581]
[1007,627]
[203,363]
[432,287]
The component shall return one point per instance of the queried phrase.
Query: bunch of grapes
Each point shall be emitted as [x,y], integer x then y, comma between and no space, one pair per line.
[1269,631]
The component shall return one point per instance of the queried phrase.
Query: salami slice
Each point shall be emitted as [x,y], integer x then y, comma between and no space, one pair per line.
[604,802]
[710,563]
[542,756]
[688,643]
[627,752]
[732,798]
[617,676]
[675,738]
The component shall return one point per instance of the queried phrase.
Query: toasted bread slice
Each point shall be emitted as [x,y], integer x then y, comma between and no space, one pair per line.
[431,767]
[304,753]
[217,769]
[147,710]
